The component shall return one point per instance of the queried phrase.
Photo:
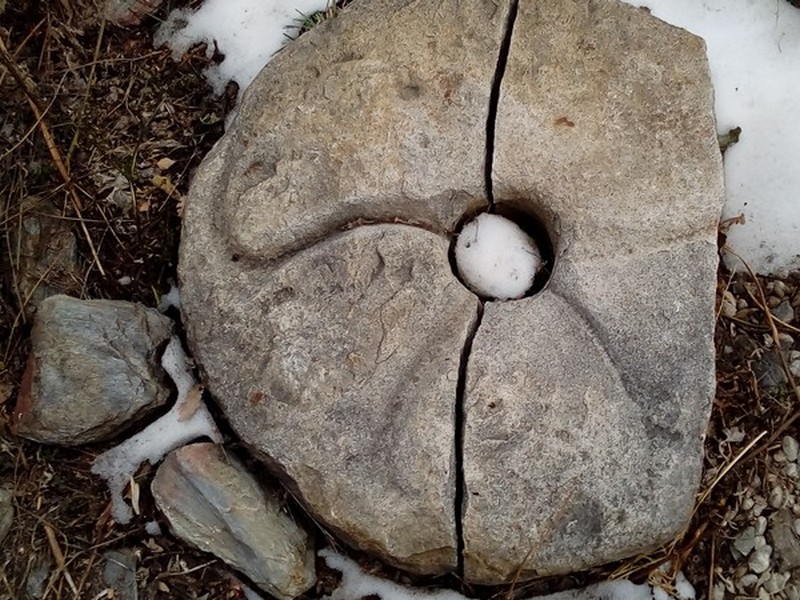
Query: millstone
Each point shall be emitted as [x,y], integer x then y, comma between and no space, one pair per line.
[440,432]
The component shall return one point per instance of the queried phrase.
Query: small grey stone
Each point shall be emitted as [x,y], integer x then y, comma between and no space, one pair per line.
[796,527]
[93,369]
[784,311]
[6,511]
[794,367]
[212,502]
[119,574]
[769,370]
[759,504]
[779,457]
[791,591]
[759,541]
[759,560]
[791,470]
[784,539]
[775,583]
[745,541]
[761,525]
[777,496]
[790,448]
[747,581]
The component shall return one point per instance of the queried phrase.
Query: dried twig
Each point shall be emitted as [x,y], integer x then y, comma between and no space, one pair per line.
[38,112]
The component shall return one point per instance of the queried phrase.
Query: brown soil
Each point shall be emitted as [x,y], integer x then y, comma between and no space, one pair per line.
[109,129]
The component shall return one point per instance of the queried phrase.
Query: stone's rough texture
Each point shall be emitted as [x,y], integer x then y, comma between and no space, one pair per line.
[93,368]
[586,406]
[119,574]
[48,254]
[784,539]
[333,343]
[337,360]
[342,126]
[352,397]
[213,503]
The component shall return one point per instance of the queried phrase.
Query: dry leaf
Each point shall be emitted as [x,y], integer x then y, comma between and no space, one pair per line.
[135,492]
[165,185]
[191,403]
[165,163]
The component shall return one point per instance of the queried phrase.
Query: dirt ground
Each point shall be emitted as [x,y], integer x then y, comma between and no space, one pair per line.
[106,130]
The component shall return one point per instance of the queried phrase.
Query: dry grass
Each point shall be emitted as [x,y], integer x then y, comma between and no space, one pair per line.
[108,129]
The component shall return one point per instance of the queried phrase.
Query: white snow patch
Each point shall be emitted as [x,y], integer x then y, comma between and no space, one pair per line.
[356,585]
[247,32]
[187,420]
[172,299]
[152,528]
[754,54]
[496,258]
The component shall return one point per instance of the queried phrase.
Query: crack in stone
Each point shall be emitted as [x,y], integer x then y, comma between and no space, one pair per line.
[459,440]
[494,101]
[460,410]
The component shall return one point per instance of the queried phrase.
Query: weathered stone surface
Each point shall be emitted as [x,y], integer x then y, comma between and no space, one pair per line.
[333,342]
[337,360]
[586,405]
[352,391]
[212,502]
[93,368]
[48,254]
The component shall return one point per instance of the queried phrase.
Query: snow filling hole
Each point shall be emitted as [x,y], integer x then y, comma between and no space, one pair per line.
[500,259]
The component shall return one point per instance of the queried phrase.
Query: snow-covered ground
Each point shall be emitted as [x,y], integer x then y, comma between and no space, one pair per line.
[754,52]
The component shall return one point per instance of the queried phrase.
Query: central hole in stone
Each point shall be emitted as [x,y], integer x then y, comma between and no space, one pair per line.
[502,255]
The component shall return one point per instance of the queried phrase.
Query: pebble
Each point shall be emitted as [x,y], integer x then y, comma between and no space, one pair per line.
[791,470]
[779,457]
[792,593]
[784,312]
[759,541]
[761,526]
[748,503]
[759,560]
[775,582]
[728,307]
[790,448]
[777,497]
[759,505]
[745,541]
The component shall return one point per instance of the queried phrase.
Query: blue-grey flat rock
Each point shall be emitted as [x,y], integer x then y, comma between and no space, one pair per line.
[92,370]
[212,502]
